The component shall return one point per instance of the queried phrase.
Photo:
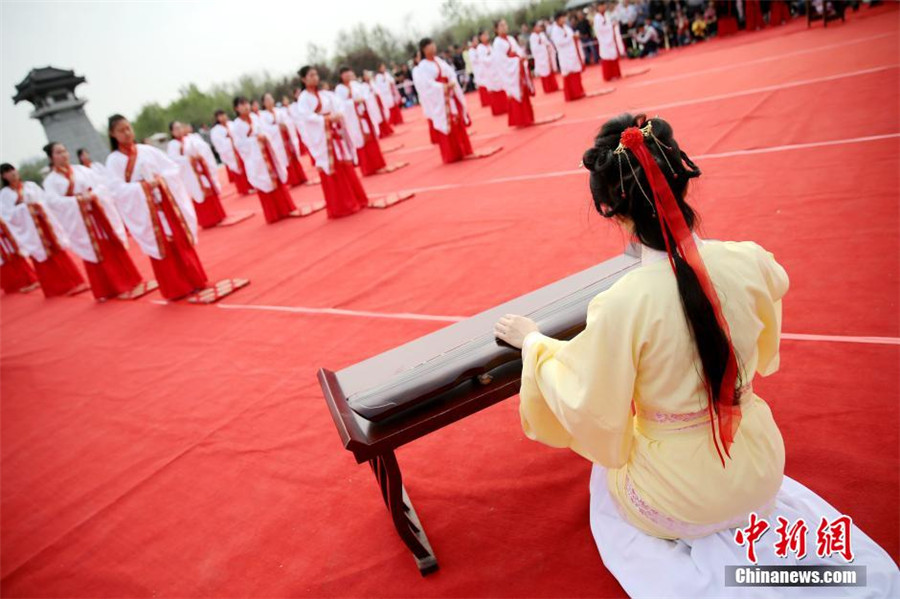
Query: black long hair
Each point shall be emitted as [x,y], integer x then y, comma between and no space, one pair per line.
[48,150]
[113,121]
[619,193]
[5,168]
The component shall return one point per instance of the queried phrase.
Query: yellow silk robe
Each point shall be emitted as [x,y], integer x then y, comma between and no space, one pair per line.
[637,350]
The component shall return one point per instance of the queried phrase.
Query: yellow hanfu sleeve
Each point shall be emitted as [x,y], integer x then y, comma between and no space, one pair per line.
[768,309]
[577,393]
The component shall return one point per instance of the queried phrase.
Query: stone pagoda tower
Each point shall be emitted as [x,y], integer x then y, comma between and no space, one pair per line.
[60,111]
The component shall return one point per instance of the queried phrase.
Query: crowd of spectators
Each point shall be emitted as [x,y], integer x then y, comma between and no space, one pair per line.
[647,26]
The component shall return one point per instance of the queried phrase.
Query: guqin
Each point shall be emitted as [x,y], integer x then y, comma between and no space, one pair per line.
[412,390]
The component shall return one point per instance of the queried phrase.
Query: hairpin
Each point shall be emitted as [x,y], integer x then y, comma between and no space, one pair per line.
[629,138]
[641,187]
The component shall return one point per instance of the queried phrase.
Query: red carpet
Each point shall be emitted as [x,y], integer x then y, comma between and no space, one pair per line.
[185,451]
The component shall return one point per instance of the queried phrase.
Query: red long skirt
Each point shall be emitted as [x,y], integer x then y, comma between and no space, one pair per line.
[753,15]
[210,211]
[115,274]
[16,274]
[484,96]
[572,88]
[344,194]
[611,70]
[296,175]
[779,12]
[432,133]
[58,274]
[180,272]
[499,103]
[727,26]
[240,181]
[520,113]
[276,204]
[549,83]
[370,158]
[456,145]
[396,115]
[384,129]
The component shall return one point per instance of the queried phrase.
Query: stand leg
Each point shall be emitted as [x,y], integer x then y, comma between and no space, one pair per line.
[387,472]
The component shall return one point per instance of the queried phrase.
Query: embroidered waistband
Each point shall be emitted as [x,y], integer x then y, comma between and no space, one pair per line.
[679,528]
[683,420]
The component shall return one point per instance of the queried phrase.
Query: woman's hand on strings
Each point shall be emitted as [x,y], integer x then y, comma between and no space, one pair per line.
[512,329]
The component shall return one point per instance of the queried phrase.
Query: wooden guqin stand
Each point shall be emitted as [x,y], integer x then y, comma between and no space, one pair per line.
[410,391]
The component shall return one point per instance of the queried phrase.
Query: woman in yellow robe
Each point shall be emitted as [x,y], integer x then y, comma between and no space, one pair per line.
[630,394]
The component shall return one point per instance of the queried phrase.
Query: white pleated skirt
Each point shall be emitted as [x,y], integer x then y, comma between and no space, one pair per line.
[651,567]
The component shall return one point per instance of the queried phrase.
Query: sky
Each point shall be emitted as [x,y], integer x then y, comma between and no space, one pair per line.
[137,52]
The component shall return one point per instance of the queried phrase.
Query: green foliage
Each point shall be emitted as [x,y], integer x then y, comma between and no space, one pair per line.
[197,107]
[31,170]
[362,47]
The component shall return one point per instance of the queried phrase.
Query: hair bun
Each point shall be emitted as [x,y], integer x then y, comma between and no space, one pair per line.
[588,158]
[593,158]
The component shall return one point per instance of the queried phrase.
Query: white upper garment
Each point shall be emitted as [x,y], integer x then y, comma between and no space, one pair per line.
[385,89]
[567,48]
[219,136]
[21,224]
[544,54]
[248,146]
[355,103]
[488,78]
[431,92]
[132,203]
[273,124]
[181,151]
[68,212]
[309,113]
[507,68]
[609,37]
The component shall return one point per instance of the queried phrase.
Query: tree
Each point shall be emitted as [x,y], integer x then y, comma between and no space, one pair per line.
[361,48]
[151,119]
[33,170]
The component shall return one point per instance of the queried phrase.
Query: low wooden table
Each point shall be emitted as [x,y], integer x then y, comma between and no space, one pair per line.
[410,391]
